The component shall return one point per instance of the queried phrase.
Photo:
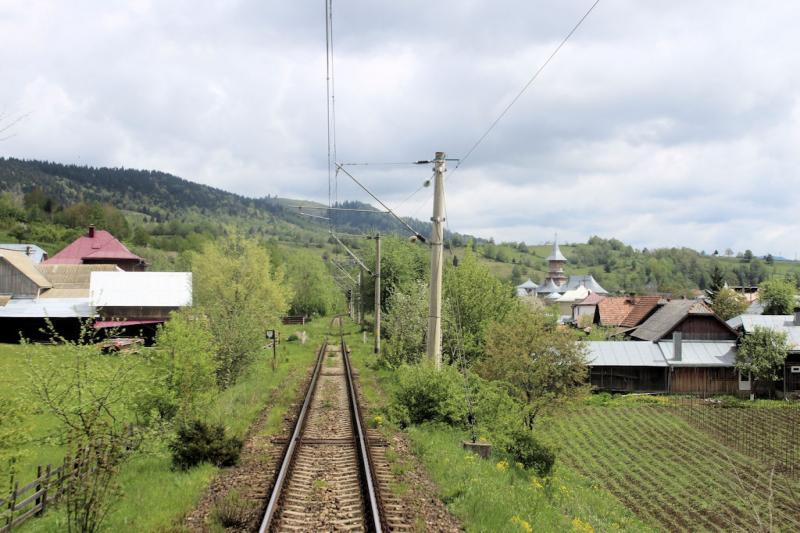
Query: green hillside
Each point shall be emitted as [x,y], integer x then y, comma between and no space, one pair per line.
[161,216]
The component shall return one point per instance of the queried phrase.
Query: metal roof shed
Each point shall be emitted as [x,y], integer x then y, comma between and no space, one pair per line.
[700,353]
[141,289]
[625,353]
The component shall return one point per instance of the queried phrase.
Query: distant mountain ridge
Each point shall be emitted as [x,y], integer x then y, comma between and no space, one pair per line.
[162,195]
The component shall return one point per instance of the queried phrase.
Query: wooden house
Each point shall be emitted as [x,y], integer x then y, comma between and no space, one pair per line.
[19,277]
[692,318]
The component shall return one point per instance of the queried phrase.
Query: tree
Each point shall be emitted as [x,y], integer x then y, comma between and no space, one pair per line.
[770,259]
[543,364]
[242,295]
[314,291]
[185,350]
[748,256]
[473,298]
[777,296]
[728,303]
[717,280]
[405,324]
[762,353]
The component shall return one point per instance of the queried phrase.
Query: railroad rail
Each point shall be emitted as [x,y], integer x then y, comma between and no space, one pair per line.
[326,478]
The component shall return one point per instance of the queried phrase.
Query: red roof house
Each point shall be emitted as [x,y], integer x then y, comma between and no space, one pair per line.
[98,247]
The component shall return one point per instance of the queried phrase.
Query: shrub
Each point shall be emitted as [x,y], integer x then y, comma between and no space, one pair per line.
[423,394]
[198,442]
[530,452]
[292,337]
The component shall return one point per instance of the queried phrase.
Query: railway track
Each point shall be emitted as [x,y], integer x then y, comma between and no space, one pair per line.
[326,480]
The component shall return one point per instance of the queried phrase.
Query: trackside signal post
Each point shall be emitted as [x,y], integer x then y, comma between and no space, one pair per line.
[437,253]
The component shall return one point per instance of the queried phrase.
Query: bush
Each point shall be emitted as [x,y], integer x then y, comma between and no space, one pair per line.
[423,394]
[292,338]
[530,452]
[199,442]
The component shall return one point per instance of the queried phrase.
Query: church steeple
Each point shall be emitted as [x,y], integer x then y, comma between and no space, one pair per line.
[556,262]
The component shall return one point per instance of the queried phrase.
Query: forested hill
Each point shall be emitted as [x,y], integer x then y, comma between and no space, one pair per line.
[161,215]
[164,197]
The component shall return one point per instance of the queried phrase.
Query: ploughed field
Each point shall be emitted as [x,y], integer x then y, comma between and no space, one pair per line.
[673,473]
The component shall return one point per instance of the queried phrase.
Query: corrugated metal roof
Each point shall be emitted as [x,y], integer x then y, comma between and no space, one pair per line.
[48,307]
[548,287]
[624,353]
[35,253]
[785,323]
[587,281]
[141,289]
[528,285]
[700,353]
[26,267]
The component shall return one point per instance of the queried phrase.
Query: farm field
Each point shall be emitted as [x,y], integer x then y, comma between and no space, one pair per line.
[674,475]
[147,480]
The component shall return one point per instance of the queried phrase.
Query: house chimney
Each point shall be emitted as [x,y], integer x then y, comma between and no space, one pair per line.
[797,318]
[91,231]
[677,345]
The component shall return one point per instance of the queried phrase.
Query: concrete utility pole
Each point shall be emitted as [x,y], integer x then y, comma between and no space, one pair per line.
[360,310]
[437,252]
[377,293]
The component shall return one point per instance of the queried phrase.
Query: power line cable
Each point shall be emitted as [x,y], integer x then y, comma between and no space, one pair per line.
[524,88]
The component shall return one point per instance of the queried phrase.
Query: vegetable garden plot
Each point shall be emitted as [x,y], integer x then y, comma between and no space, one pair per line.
[672,474]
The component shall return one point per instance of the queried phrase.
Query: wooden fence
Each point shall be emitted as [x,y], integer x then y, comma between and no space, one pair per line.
[298,319]
[32,499]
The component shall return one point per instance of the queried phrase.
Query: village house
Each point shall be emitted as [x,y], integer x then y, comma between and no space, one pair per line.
[66,295]
[98,247]
[789,324]
[36,254]
[681,347]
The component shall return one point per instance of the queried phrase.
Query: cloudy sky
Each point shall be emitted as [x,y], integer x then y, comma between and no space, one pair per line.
[660,123]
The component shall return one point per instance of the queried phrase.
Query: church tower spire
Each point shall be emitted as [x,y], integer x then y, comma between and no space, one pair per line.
[556,262]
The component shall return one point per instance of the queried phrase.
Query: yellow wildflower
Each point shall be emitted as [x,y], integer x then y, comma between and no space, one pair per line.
[564,490]
[502,466]
[377,421]
[536,483]
[579,526]
[523,524]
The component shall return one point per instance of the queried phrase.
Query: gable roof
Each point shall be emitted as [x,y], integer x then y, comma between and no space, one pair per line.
[642,307]
[97,245]
[25,266]
[668,317]
[700,353]
[528,285]
[614,309]
[71,281]
[574,295]
[785,323]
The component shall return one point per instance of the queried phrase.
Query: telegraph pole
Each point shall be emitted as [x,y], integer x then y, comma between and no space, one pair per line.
[437,252]
[360,309]
[377,293]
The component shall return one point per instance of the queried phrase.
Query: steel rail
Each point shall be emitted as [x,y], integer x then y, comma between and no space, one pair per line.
[373,507]
[288,457]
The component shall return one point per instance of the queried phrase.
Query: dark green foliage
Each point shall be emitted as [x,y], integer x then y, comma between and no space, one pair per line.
[424,395]
[198,442]
[530,452]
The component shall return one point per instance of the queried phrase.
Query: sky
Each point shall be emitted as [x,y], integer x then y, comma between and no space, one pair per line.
[658,123]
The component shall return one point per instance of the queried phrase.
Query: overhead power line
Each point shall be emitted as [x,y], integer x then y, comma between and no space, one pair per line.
[524,88]
[417,234]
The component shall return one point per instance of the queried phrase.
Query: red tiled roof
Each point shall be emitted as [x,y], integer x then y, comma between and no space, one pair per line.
[642,307]
[101,246]
[614,309]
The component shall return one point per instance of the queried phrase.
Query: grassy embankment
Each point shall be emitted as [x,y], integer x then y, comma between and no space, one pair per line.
[147,480]
[674,475]
[495,494]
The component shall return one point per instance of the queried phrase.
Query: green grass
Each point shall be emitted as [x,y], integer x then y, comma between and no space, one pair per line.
[155,498]
[482,496]
[674,475]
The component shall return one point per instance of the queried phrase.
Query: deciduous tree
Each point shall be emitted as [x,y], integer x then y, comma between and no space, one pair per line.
[777,296]
[728,303]
[762,353]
